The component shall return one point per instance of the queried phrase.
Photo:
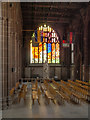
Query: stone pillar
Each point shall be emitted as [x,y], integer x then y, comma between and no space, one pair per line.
[15,57]
[19,60]
[86,67]
[1,60]
[85,17]
[72,72]
[9,55]
[5,62]
[13,60]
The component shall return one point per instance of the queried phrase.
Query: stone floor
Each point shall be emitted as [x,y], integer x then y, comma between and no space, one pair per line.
[27,110]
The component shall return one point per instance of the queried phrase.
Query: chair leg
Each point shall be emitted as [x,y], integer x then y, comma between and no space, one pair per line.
[38,101]
[33,101]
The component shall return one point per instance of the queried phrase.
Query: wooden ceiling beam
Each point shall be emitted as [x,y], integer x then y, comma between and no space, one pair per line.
[29,21]
[51,13]
[45,17]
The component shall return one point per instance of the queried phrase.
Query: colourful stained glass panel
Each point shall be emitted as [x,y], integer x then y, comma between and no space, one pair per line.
[32,54]
[36,54]
[53,52]
[44,52]
[57,53]
[49,52]
[40,52]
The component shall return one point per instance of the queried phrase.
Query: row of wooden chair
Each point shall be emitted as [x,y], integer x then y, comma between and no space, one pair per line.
[81,93]
[36,92]
[18,93]
[81,87]
[60,96]
[75,83]
[49,92]
[82,82]
[13,91]
[71,92]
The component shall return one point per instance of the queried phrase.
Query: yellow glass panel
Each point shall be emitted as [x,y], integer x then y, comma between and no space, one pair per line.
[32,54]
[57,53]
[36,54]
[40,52]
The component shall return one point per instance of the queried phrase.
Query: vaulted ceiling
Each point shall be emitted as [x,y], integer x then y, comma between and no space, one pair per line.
[49,12]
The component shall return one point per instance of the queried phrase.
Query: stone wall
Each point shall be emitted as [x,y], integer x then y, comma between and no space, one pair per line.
[59,71]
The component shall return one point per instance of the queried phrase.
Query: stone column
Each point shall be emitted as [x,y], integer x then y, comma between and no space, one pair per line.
[72,72]
[9,55]
[86,68]
[18,59]
[15,57]
[85,17]
[1,49]
[5,62]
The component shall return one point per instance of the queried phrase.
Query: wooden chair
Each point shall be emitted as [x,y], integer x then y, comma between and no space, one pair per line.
[17,85]
[34,96]
[22,93]
[39,94]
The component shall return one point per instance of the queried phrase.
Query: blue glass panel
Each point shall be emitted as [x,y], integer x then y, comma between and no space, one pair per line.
[49,47]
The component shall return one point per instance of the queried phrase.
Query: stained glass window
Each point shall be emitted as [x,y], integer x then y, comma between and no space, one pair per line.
[44,46]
